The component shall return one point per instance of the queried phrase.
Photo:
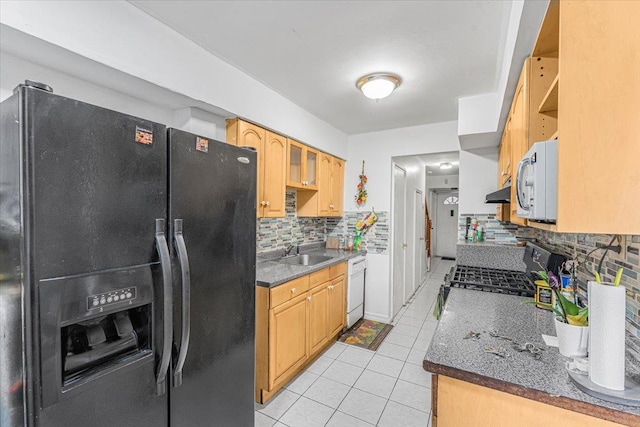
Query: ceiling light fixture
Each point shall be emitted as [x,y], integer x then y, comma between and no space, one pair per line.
[379,85]
[445,165]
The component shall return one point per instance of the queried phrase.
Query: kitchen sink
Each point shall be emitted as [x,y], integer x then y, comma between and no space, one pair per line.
[305,259]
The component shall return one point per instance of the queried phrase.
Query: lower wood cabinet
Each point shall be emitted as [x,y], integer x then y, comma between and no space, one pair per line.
[318,306]
[457,403]
[337,305]
[288,338]
[295,321]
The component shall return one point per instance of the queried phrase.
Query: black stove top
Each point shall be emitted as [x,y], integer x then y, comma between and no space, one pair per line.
[491,280]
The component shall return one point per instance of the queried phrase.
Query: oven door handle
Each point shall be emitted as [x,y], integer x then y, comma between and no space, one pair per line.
[186,300]
[167,311]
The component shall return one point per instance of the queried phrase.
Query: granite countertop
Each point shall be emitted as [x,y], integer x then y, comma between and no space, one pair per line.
[544,380]
[270,273]
[485,243]
[491,255]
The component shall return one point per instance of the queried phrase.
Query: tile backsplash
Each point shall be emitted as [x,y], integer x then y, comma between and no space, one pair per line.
[375,240]
[278,233]
[572,245]
[494,230]
[629,260]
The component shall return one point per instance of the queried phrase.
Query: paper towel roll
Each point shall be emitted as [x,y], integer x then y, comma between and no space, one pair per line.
[606,335]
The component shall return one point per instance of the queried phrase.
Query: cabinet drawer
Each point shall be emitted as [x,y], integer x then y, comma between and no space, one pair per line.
[338,269]
[289,290]
[319,277]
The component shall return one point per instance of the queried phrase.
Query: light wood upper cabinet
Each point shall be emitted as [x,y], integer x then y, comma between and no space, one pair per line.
[330,185]
[504,155]
[271,149]
[503,210]
[244,134]
[284,162]
[302,166]
[324,185]
[337,187]
[519,135]
[327,201]
[583,91]
[275,165]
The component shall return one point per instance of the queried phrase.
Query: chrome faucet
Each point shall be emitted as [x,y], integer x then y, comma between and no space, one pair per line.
[290,248]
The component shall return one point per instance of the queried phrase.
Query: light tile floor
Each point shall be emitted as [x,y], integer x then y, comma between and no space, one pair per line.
[350,387]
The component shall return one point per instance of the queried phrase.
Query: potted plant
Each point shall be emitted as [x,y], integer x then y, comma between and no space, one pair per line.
[571,320]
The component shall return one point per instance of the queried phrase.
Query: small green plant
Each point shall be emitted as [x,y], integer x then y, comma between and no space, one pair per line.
[566,310]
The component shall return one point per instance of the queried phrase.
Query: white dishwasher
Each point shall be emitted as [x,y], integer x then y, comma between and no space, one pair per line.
[356,272]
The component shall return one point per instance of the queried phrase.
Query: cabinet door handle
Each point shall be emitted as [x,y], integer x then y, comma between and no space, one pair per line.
[262,203]
[404,245]
[309,298]
[267,203]
[293,290]
[330,287]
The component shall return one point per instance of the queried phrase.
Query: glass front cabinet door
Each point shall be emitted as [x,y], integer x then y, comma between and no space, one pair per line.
[302,169]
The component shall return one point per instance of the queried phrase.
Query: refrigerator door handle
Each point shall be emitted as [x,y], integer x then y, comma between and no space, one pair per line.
[165,262]
[186,300]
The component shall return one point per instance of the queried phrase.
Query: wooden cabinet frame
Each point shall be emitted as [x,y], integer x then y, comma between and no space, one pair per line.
[271,150]
[579,87]
[327,201]
[295,322]
[308,174]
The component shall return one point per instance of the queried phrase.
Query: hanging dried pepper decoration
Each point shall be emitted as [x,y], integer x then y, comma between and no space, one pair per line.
[361,195]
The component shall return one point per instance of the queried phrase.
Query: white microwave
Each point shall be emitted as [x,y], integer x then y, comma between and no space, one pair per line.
[537,182]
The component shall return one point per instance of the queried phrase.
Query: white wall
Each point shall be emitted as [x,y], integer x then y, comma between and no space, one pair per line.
[481,118]
[119,36]
[14,71]
[442,181]
[478,177]
[378,149]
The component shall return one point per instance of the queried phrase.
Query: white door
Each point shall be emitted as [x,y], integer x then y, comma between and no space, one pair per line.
[410,249]
[399,241]
[447,224]
[419,248]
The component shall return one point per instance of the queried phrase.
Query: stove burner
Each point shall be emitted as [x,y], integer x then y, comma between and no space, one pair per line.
[492,280]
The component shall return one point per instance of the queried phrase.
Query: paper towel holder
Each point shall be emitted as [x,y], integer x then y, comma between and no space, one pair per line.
[629,396]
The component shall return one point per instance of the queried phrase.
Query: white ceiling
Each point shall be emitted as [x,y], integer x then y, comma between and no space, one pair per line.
[312,52]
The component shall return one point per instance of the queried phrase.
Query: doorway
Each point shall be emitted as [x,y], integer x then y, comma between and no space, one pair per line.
[446,224]
[399,239]
[419,246]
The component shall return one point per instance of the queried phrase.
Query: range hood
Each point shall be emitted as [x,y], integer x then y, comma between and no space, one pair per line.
[501,196]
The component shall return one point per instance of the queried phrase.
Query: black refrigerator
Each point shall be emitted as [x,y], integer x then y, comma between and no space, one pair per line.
[127,270]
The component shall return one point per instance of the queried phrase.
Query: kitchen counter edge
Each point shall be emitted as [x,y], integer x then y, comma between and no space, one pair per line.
[271,273]
[449,368]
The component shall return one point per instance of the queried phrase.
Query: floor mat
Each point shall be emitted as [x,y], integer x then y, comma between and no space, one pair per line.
[367,334]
